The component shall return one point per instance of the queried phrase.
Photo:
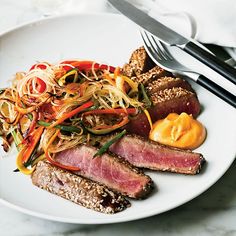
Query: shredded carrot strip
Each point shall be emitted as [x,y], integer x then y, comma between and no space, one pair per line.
[116,72]
[122,123]
[148,117]
[52,139]
[50,159]
[109,79]
[17,119]
[36,135]
[72,113]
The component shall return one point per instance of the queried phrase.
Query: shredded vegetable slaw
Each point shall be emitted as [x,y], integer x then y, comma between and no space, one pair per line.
[53,107]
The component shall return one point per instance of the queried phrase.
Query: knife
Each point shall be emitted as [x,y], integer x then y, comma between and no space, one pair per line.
[172,38]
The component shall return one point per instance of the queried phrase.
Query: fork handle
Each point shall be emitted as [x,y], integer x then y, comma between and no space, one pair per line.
[217,90]
[211,61]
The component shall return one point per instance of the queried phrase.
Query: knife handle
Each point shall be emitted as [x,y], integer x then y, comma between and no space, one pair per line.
[217,90]
[210,60]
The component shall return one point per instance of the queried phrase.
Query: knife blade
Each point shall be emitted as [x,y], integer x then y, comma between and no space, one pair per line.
[172,38]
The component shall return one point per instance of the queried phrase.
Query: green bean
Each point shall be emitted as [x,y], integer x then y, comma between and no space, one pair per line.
[145,96]
[106,146]
[68,128]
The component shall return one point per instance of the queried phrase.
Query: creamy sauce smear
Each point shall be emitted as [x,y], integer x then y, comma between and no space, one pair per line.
[181,131]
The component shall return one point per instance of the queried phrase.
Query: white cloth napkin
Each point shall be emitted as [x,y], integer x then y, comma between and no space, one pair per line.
[208,21]
[212,21]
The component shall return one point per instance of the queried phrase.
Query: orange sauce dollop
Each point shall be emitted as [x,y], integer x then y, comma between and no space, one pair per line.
[181,131]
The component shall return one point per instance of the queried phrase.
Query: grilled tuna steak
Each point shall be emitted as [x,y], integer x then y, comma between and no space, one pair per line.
[139,63]
[174,100]
[152,155]
[167,83]
[77,189]
[109,170]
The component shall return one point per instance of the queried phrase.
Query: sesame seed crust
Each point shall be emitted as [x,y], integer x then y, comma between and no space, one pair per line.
[169,94]
[167,82]
[153,74]
[77,189]
[139,63]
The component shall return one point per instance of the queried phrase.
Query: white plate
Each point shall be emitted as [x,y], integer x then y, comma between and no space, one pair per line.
[105,38]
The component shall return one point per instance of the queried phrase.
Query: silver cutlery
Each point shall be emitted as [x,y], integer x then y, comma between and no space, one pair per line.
[160,55]
[172,38]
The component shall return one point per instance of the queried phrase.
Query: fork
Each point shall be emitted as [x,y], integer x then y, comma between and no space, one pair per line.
[164,59]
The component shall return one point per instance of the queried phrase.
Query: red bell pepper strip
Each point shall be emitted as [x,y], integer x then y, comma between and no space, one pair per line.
[40,85]
[87,65]
[118,111]
[40,66]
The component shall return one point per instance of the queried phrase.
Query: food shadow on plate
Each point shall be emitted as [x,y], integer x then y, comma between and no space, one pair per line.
[219,198]
[199,211]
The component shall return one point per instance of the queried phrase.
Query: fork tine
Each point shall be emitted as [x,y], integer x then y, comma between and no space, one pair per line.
[146,42]
[166,55]
[163,50]
[151,48]
[157,48]
[154,53]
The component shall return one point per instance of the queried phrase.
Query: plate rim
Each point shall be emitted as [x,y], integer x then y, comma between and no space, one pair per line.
[98,221]
[52,17]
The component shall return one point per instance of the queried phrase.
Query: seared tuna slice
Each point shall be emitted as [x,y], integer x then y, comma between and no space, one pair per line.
[153,74]
[139,63]
[167,83]
[77,189]
[109,170]
[139,125]
[152,155]
[174,100]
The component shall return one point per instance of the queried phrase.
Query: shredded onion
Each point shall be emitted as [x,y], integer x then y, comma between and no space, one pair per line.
[24,105]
